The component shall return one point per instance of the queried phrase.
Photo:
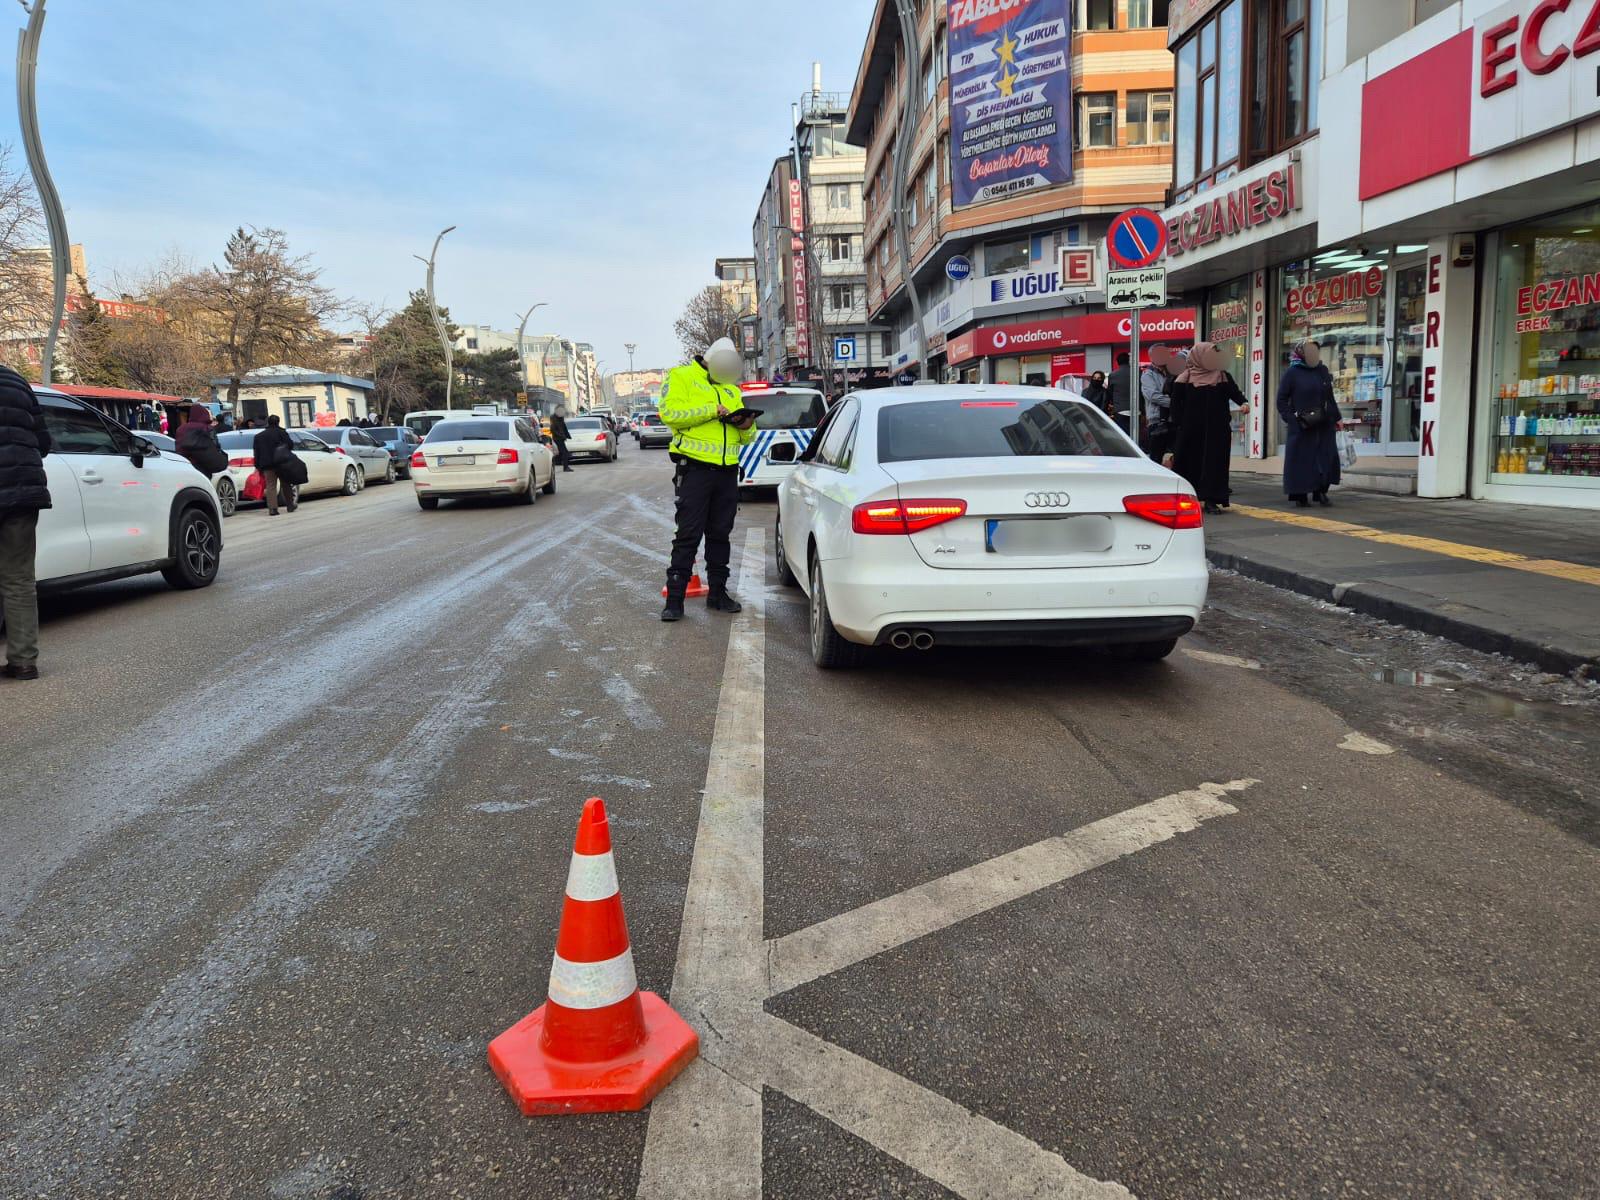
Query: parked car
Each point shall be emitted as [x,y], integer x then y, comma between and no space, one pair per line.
[400,442]
[482,456]
[222,482]
[355,444]
[972,514]
[654,432]
[326,470]
[120,506]
[788,421]
[591,437]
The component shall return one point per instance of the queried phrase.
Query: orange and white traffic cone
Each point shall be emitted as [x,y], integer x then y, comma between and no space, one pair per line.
[697,587]
[597,1043]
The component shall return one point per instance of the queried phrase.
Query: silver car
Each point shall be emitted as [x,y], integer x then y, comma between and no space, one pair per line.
[372,459]
[592,436]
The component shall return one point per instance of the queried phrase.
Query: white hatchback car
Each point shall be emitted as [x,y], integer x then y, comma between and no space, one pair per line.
[976,514]
[482,456]
[120,506]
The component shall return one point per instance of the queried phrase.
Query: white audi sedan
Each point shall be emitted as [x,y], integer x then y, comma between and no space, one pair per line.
[977,514]
[482,456]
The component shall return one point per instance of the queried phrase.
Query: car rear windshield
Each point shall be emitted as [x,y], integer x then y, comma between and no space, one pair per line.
[385,433]
[245,439]
[993,428]
[333,437]
[788,410]
[468,431]
[584,423]
[652,419]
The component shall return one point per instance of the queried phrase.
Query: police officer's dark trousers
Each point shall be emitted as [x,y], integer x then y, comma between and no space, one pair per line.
[708,503]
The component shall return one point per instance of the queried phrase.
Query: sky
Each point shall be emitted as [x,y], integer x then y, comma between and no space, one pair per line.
[596,156]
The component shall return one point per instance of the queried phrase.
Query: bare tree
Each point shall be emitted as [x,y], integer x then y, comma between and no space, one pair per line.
[262,306]
[24,267]
[707,317]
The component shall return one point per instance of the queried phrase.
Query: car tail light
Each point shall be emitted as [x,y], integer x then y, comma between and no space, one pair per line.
[242,460]
[338,450]
[1172,510]
[599,437]
[904,516]
[417,460]
[508,455]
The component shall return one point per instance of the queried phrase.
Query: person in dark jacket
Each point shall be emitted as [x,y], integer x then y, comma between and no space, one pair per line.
[24,490]
[559,435]
[269,445]
[1118,390]
[1203,399]
[1096,393]
[197,442]
[1311,421]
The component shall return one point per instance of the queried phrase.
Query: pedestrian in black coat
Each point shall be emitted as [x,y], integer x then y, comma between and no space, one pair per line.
[1311,422]
[24,490]
[1203,398]
[559,435]
[270,446]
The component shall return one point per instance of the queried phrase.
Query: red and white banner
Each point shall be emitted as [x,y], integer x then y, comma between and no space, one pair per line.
[801,300]
[1093,329]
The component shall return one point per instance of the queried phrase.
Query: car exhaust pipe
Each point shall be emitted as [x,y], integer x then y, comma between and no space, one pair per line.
[900,640]
[922,640]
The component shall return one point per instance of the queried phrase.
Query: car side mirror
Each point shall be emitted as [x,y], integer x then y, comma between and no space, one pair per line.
[142,450]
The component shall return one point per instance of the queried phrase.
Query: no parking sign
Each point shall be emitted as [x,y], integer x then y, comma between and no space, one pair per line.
[1136,238]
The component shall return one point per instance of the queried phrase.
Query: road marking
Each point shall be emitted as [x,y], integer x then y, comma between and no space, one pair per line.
[1223,660]
[633,705]
[1362,744]
[1553,568]
[851,937]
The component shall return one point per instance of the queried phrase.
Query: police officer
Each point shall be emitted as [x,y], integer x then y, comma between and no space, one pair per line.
[703,406]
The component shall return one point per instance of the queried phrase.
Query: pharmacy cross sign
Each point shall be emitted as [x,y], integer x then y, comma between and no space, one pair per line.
[704,1135]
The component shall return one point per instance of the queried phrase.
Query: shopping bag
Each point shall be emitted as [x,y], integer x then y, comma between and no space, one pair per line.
[254,487]
[1347,448]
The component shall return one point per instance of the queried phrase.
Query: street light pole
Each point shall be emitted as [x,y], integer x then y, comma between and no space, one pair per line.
[905,137]
[630,347]
[438,321]
[522,330]
[49,199]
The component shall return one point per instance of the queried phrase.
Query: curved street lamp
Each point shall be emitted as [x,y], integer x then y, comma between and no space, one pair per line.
[438,321]
[49,199]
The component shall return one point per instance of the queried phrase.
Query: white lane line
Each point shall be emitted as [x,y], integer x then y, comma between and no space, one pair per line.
[971,1155]
[850,937]
[659,555]
[1223,660]
[633,705]
[704,1137]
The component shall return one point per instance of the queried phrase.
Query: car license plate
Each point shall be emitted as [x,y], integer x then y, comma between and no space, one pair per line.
[1050,535]
[457,460]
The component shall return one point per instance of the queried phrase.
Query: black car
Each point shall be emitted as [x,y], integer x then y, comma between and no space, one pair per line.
[1125,298]
[400,442]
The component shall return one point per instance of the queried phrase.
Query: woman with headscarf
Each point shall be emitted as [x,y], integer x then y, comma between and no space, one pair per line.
[198,444]
[1096,392]
[1311,420]
[1203,397]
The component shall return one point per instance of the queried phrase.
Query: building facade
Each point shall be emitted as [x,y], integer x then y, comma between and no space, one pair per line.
[997,304]
[736,277]
[1448,262]
[302,399]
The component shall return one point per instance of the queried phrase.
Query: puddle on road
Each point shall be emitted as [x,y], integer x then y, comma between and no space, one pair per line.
[1499,704]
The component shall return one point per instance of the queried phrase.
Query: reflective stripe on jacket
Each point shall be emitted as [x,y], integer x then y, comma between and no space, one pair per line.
[689,400]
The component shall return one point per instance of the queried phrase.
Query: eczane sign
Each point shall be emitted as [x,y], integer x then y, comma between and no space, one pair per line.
[1538,68]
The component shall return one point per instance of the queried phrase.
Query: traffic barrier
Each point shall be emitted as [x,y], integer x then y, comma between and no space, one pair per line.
[597,1043]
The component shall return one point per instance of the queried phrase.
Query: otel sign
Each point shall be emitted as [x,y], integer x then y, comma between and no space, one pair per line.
[1137,238]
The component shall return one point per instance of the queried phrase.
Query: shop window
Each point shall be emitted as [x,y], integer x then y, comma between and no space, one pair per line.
[1097,123]
[1340,298]
[1147,14]
[999,258]
[1149,121]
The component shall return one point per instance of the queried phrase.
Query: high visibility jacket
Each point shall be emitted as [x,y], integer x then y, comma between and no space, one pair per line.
[689,400]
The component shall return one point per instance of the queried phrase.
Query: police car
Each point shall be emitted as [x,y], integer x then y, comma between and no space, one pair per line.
[788,421]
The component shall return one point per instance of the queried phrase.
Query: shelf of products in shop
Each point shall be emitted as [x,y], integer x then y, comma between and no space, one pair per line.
[1548,426]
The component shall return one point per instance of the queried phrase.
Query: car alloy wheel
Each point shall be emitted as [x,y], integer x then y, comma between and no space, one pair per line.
[227,496]
[828,650]
[786,575]
[199,552]
[388,472]
[352,481]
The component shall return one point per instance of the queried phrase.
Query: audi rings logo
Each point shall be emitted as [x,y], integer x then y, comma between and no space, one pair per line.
[1047,500]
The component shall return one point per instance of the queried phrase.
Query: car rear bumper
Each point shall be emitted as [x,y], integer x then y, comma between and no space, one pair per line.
[465,487]
[870,598]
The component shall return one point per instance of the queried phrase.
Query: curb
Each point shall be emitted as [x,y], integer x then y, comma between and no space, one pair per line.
[1372,601]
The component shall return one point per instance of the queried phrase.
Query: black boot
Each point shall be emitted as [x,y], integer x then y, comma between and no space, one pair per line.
[720,600]
[677,585]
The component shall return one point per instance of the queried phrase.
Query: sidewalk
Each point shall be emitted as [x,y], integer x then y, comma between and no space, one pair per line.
[1506,578]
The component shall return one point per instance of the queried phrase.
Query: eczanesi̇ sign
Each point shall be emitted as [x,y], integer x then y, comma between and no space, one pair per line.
[1354,287]
[1276,194]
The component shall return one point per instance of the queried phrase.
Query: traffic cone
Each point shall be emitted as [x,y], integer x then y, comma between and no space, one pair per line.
[697,587]
[597,1043]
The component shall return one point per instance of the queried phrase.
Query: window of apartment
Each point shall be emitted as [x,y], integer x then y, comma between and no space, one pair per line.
[1429,8]
[839,248]
[1097,119]
[1147,14]
[1285,40]
[1098,14]
[930,79]
[1149,121]
[841,296]
[1001,257]
[839,195]
[930,191]
[1210,80]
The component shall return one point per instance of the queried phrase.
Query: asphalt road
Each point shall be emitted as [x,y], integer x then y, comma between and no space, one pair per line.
[282,856]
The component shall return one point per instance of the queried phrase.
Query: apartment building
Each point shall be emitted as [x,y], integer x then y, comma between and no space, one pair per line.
[1413,183]
[736,277]
[1062,117]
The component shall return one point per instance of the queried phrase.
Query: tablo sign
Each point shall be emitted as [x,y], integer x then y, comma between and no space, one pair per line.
[1137,238]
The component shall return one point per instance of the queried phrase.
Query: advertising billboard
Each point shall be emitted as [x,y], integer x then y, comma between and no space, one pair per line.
[1010,97]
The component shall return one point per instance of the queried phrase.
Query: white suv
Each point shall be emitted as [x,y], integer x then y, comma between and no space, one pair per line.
[120,506]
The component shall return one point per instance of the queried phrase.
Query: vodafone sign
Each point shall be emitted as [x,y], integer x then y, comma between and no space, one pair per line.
[1094,329]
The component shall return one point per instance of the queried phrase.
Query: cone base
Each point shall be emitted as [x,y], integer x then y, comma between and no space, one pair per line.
[697,588]
[545,1086]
